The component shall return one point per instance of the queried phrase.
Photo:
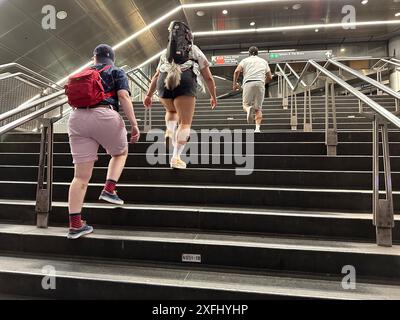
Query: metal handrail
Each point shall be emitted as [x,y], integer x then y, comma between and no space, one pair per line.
[27,70]
[28,77]
[386,62]
[142,73]
[30,105]
[373,82]
[285,77]
[383,212]
[368,101]
[287,65]
[136,82]
[32,116]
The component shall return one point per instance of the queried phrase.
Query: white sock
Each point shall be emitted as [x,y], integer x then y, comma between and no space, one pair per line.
[258,127]
[178,149]
[182,135]
[172,125]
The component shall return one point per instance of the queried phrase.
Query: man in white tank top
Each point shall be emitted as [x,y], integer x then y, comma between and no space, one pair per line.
[256,73]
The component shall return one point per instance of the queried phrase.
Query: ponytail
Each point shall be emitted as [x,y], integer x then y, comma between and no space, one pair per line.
[174,76]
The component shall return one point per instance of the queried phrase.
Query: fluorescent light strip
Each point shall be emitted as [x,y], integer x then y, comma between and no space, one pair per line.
[148,27]
[150,59]
[76,71]
[234,3]
[292,28]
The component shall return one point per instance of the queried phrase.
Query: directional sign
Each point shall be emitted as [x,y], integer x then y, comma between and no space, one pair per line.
[299,56]
[272,57]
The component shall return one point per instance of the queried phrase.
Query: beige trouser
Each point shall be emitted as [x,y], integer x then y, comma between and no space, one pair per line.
[253,95]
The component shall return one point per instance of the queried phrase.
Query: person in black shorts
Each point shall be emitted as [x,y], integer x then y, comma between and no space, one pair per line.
[180,102]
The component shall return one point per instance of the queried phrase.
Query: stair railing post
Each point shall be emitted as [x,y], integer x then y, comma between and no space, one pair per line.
[308,125]
[44,192]
[383,212]
[147,120]
[331,133]
[279,86]
[379,79]
[285,99]
[293,111]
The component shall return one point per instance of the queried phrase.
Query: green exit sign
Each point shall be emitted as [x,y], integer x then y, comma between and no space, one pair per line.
[274,56]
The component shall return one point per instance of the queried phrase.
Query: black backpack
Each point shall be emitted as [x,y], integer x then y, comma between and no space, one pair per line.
[180,43]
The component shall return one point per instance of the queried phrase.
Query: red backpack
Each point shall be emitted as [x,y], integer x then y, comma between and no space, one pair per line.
[85,89]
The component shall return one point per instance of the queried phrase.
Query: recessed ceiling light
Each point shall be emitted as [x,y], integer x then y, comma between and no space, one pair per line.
[62,15]
[296,6]
[397,14]
[200,13]
[364,2]
[252,23]
[343,50]
[316,30]
[225,11]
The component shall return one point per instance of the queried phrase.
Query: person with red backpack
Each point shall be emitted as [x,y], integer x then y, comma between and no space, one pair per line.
[95,94]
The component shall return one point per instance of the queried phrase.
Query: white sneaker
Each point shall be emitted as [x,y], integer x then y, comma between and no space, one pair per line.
[257,131]
[250,115]
[178,164]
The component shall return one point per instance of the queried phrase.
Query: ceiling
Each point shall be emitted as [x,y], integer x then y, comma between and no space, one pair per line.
[56,53]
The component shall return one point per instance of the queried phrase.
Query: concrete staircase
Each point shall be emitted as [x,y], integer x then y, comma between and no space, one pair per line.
[285,231]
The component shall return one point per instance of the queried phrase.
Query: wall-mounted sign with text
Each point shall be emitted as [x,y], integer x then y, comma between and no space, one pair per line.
[272,57]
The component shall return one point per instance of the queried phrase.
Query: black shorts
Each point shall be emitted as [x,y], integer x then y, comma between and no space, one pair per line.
[188,86]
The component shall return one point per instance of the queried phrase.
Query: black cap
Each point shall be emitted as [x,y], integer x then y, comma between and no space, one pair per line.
[104,52]
[253,51]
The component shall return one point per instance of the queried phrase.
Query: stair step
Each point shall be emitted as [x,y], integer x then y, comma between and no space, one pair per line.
[303,256]
[282,223]
[280,148]
[293,178]
[272,162]
[216,195]
[134,281]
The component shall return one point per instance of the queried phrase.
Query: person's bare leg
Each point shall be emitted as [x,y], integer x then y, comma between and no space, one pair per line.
[185,107]
[116,166]
[79,185]
[171,121]
[77,192]
[259,118]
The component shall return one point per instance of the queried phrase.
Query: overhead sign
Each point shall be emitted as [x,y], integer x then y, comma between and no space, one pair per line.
[233,60]
[272,57]
[299,55]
